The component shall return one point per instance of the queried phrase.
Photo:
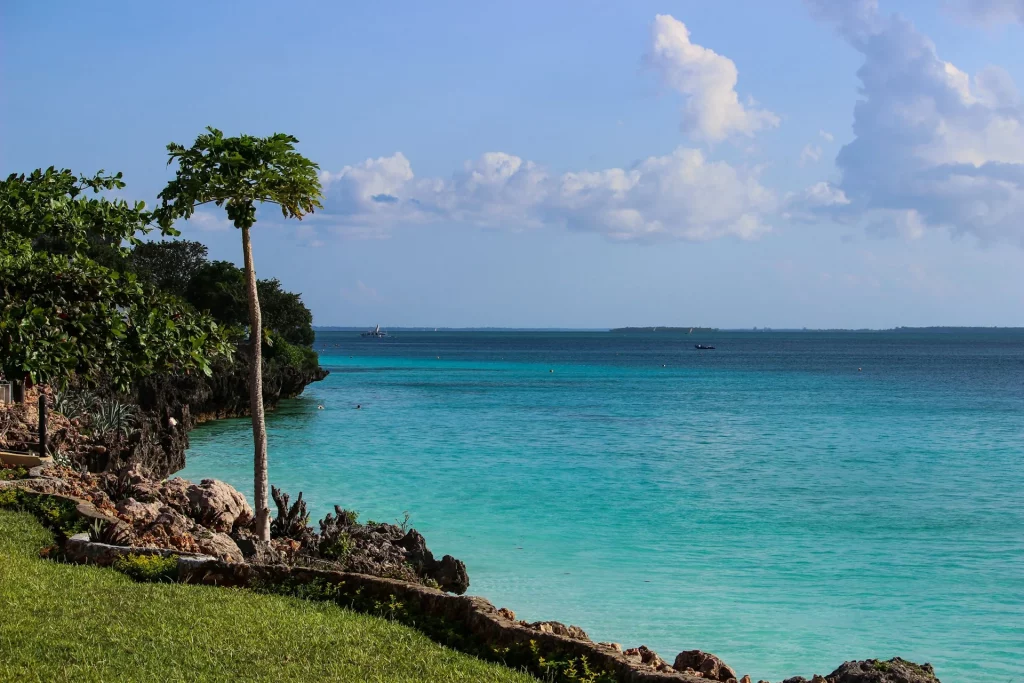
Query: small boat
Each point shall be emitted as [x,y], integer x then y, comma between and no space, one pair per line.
[376,332]
[703,347]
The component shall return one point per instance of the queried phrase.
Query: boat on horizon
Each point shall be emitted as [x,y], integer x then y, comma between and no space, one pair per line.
[703,347]
[375,332]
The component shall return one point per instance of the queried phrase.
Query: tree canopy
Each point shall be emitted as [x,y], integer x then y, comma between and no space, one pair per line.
[62,313]
[237,173]
[218,287]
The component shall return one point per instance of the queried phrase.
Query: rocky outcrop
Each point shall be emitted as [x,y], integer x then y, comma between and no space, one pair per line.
[170,406]
[218,506]
[449,572]
[710,666]
[558,628]
[166,409]
[895,670]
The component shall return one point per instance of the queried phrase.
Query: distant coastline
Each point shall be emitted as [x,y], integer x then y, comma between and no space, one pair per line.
[664,329]
[938,329]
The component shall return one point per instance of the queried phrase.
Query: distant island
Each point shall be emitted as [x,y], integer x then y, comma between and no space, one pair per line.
[664,329]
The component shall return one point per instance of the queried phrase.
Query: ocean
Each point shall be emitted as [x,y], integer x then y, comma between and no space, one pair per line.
[787,501]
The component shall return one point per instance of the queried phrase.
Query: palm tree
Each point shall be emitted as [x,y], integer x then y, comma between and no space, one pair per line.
[237,173]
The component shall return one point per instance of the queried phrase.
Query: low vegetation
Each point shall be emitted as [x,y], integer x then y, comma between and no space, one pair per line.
[65,622]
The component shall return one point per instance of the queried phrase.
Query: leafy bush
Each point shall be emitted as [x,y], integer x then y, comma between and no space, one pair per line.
[10,472]
[148,567]
[337,548]
[59,515]
[301,357]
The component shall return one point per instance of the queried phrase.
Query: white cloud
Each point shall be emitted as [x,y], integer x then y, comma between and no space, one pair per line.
[930,139]
[810,154]
[713,110]
[681,195]
[205,221]
[808,204]
[826,136]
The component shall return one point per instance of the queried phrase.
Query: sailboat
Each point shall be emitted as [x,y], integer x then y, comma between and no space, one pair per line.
[375,332]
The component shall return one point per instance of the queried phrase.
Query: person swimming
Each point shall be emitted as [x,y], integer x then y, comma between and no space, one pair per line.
[359,406]
[319,407]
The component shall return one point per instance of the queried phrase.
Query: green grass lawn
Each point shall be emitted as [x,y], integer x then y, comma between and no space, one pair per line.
[72,623]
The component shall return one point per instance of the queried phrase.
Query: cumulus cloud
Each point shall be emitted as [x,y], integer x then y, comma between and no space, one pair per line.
[810,154]
[990,11]
[811,203]
[681,195]
[707,80]
[929,138]
[206,221]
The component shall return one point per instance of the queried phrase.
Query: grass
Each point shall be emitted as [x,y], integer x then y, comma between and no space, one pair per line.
[63,622]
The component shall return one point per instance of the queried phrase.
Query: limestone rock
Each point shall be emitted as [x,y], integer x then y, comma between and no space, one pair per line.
[140,514]
[646,656]
[895,670]
[221,546]
[451,575]
[708,664]
[507,613]
[560,629]
[218,506]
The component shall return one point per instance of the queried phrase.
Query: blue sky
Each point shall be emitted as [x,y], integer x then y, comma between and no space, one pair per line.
[576,164]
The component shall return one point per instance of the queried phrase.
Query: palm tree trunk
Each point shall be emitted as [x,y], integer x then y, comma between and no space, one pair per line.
[259,428]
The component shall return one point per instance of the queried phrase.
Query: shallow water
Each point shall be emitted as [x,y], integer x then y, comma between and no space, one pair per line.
[767,501]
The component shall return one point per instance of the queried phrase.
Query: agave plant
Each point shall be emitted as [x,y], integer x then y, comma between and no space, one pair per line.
[73,403]
[114,418]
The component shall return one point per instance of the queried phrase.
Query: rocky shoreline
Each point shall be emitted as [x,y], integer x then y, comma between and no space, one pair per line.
[379,568]
[134,510]
[165,410]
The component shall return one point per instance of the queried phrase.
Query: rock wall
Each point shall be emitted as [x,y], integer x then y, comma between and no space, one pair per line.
[170,406]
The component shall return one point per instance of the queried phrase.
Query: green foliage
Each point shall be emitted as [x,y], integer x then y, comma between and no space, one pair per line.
[219,287]
[285,314]
[302,357]
[61,207]
[11,472]
[62,313]
[338,548]
[148,567]
[238,172]
[57,514]
[73,403]
[113,418]
[170,265]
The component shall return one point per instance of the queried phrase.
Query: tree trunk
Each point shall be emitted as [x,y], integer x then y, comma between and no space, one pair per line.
[259,429]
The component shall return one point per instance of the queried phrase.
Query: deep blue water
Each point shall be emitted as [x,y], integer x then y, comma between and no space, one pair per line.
[787,501]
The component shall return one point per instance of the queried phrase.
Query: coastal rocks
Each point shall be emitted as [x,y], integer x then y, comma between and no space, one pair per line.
[218,506]
[507,613]
[645,655]
[895,670]
[139,514]
[450,573]
[707,664]
[221,546]
[170,406]
[559,629]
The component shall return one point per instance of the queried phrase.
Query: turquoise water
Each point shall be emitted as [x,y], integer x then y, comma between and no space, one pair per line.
[767,501]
